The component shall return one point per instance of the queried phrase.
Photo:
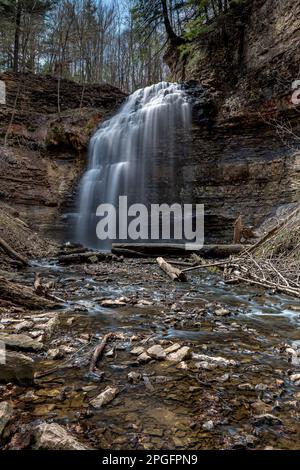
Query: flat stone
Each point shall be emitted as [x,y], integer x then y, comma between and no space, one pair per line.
[137,351]
[67,349]
[180,355]
[55,437]
[18,369]
[24,326]
[6,412]
[222,312]
[267,419]
[104,398]
[20,342]
[36,334]
[157,352]
[173,348]
[113,303]
[144,358]
[246,387]
[55,354]
[210,363]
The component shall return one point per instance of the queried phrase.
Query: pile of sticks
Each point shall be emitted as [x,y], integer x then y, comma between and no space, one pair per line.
[273,263]
[273,274]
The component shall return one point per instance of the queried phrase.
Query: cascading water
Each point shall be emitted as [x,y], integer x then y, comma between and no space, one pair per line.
[133,154]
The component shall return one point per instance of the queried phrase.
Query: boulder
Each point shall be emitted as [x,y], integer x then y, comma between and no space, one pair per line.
[20,342]
[6,412]
[18,369]
[55,437]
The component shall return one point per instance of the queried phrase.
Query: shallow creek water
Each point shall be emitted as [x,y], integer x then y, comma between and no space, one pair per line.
[173,406]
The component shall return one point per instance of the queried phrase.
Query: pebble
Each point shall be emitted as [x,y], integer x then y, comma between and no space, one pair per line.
[246,387]
[55,354]
[222,312]
[208,426]
[134,377]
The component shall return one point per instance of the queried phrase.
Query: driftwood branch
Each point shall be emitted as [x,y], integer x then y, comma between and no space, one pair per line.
[18,294]
[174,273]
[99,351]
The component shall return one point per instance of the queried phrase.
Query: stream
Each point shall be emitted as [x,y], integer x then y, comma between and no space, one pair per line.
[234,389]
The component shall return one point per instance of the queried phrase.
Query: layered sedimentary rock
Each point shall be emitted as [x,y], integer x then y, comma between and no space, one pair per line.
[244,156]
[47,142]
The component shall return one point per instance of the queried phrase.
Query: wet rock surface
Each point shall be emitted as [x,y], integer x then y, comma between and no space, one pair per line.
[232,383]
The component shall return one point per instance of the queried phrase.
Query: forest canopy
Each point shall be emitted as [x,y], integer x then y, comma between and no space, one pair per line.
[118,41]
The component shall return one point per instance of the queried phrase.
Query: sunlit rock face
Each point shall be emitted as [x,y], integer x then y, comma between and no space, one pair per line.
[138,153]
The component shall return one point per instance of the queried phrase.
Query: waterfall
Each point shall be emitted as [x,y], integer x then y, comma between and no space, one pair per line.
[134,154]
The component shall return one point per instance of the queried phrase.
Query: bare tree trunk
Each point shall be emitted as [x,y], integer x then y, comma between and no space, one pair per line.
[17,36]
[169,29]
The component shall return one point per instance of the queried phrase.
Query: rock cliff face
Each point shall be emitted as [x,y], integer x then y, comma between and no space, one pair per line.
[47,143]
[246,152]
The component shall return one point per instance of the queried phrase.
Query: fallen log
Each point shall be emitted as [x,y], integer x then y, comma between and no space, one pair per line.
[18,294]
[158,249]
[84,257]
[174,273]
[12,253]
[99,351]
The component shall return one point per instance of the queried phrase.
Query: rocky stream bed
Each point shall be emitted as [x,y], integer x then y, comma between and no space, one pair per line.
[197,365]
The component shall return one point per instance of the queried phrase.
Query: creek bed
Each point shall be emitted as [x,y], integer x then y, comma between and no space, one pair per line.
[248,401]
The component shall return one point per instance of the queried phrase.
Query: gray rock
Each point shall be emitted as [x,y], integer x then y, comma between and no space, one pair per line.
[222,312]
[6,412]
[104,398]
[55,437]
[144,358]
[157,352]
[134,377]
[210,363]
[55,354]
[267,419]
[20,342]
[17,369]
[208,426]
[24,326]
[261,387]
[180,355]
[246,387]
[173,348]
[137,351]
[295,378]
